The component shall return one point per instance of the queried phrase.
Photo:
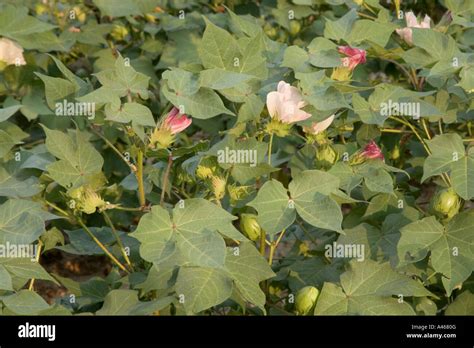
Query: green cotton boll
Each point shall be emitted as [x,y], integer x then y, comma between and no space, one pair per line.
[295,27]
[326,156]
[250,226]
[446,204]
[305,300]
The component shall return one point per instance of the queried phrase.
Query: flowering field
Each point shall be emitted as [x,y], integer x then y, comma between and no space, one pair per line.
[272,157]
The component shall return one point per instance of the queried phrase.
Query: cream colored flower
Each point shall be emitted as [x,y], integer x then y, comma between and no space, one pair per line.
[407,33]
[318,127]
[285,104]
[11,52]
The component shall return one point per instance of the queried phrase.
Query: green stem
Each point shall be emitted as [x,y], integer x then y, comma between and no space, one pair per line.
[117,151]
[55,207]
[117,237]
[102,246]
[273,247]
[139,175]
[270,149]
[32,283]
[263,239]
[166,179]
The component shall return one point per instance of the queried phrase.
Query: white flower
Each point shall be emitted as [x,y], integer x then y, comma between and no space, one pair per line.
[407,33]
[318,127]
[285,104]
[11,52]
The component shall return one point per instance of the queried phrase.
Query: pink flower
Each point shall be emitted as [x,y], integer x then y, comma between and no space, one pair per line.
[318,127]
[407,33]
[285,104]
[372,151]
[176,122]
[355,56]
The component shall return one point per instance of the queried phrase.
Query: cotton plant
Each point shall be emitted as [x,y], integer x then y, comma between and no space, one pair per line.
[234,155]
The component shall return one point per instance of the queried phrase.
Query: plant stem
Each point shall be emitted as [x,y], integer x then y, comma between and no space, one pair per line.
[273,247]
[102,246]
[32,282]
[366,16]
[57,208]
[166,179]
[408,124]
[117,237]
[270,149]
[263,239]
[117,151]
[139,175]
[425,127]
[127,208]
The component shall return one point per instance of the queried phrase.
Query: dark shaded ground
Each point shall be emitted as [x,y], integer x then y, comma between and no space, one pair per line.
[76,267]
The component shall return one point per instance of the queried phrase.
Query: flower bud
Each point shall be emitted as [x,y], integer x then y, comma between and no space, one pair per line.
[238,193]
[305,300]
[218,187]
[119,32]
[295,27]
[326,156]
[87,200]
[250,226]
[446,203]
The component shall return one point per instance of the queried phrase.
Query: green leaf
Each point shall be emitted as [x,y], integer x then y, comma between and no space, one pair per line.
[462,176]
[79,162]
[205,248]
[341,28]
[57,89]
[119,302]
[5,279]
[450,246]
[154,232]
[123,79]
[130,112]
[17,224]
[204,104]
[248,268]
[274,211]
[367,289]
[25,268]
[222,79]
[7,112]
[218,48]
[202,288]
[309,191]
[16,185]
[25,302]
[118,8]
[438,45]
[445,149]
[16,24]
[462,305]
[368,30]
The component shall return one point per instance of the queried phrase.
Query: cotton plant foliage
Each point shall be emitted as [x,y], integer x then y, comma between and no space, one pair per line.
[238,157]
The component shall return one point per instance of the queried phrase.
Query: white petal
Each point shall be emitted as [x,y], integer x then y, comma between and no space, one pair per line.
[273,102]
[320,126]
